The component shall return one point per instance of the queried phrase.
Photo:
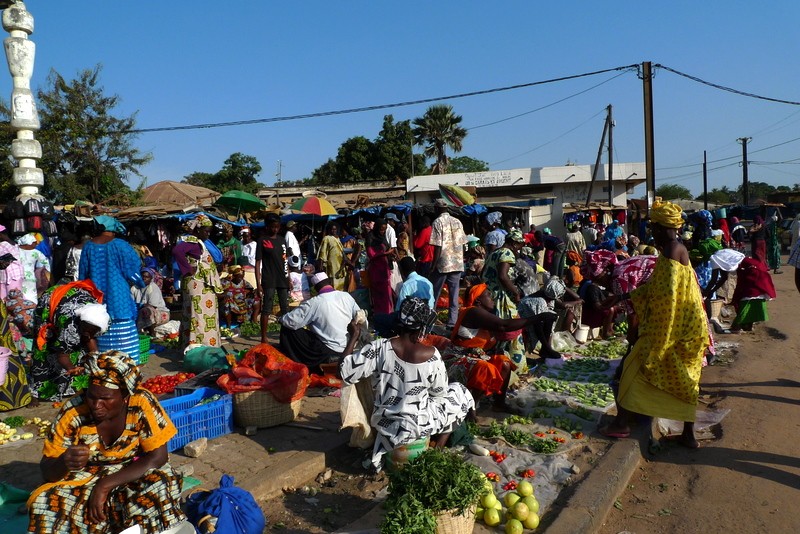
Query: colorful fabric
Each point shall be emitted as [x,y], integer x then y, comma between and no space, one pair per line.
[110,265]
[21,311]
[448,233]
[113,370]
[238,299]
[630,274]
[751,311]
[412,400]
[110,224]
[773,246]
[505,308]
[31,260]
[200,324]
[752,281]
[596,262]
[331,254]
[14,391]
[152,501]
[661,376]
[473,294]
[10,277]
[231,251]
[380,289]
[416,315]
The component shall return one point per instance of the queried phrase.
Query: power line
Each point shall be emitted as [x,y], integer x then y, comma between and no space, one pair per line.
[730,157]
[725,88]
[377,107]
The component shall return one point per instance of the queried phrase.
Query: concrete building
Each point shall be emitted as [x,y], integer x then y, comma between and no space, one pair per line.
[540,195]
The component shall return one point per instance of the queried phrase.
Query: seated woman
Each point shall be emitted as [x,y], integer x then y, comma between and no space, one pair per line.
[69,319]
[598,310]
[105,459]
[547,304]
[153,310]
[474,359]
[413,399]
[239,303]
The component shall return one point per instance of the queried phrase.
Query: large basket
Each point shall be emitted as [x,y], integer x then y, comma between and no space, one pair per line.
[260,409]
[449,523]
[716,308]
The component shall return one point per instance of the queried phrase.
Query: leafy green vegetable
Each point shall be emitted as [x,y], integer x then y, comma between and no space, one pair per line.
[544,446]
[406,515]
[250,329]
[15,421]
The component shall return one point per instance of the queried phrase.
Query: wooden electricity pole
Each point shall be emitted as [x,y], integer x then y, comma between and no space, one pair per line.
[649,144]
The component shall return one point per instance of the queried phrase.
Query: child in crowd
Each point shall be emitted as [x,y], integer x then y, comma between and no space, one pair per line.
[299,290]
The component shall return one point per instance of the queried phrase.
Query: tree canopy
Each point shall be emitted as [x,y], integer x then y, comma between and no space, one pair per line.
[673,192]
[239,172]
[467,164]
[87,151]
[438,129]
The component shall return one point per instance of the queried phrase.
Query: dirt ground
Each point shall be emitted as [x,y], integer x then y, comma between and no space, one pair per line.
[747,480]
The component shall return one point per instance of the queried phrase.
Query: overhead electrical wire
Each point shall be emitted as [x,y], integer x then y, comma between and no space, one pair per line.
[376,107]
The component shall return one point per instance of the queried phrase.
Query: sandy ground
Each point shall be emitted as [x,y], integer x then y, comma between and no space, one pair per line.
[747,480]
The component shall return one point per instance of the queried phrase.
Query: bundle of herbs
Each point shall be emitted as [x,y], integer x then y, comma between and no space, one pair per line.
[436,481]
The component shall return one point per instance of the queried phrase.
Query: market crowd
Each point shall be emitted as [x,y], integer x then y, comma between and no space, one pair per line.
[458,306]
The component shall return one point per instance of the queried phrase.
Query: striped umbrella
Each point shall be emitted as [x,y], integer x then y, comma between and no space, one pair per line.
[313,206]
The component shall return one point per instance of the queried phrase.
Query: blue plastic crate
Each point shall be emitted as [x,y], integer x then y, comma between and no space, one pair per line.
[205,421]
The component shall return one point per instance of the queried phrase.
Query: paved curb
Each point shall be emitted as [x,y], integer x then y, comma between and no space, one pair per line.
[586,510]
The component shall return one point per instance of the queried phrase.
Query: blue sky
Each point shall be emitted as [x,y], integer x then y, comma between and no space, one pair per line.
[181,62]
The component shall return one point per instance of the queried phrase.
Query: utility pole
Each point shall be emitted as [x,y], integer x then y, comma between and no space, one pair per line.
[745,182]
[649,144]
[606,126]
[610,158]
[279,174]
[705,181]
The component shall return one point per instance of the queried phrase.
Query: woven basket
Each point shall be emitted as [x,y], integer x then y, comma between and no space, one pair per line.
[260,409]
[716,307]
[449,523]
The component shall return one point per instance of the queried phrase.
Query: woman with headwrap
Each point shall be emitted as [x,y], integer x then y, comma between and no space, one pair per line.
[230,247]
[499,274]
[596,270]
[379,258]
[153,310]
[495,237]
[105,459]
[474,357]
[200,284]
[239,297]
[69,318]
[661,375]
[702,250]
[547,305]
[754,288]
[14,390]
[35,268]
[758,239]
[738,235]
[722,224]
[331,258]
[413,399]
[113,265]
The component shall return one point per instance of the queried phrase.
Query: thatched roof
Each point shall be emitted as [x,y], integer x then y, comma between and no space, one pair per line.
[178,194]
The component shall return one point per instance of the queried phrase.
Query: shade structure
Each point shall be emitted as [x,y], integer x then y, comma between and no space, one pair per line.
[313,206]
[240,202]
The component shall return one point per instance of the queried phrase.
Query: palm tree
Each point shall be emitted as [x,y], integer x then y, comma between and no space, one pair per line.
[436,130]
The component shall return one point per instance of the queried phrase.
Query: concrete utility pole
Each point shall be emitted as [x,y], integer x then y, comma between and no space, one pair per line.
[610,158]
[649,143]
[745,182]
[20,55]
[705,181]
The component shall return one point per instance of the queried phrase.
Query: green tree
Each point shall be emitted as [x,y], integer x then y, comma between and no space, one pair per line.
[322,175]
[239,171]
[758,191]
[354,160]
[467,164]
[673,192]
[7,134]
[87,151]
[201,179]
[438,129]
[393,156]
[721,195]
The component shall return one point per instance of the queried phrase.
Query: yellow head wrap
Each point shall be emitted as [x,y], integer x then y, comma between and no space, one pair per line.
[666,214]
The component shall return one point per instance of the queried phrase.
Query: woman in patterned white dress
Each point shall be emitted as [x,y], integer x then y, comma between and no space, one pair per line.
[413,399]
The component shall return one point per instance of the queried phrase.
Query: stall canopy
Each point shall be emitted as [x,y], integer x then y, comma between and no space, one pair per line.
[178,194]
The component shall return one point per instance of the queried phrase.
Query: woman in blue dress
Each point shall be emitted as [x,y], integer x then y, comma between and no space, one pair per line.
[112,264]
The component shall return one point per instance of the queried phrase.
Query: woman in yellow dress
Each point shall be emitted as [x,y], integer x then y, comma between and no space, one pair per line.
[661,375]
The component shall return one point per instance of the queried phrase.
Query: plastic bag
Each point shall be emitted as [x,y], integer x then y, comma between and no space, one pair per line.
[235,509]
[356,407]
[265,368]
[203,358]
[563,342]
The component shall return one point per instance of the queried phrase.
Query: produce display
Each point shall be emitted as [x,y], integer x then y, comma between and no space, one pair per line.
[165,383]
[250,329]
[519,508]
[604,349]
[10,433]
[592,370]
[599,395]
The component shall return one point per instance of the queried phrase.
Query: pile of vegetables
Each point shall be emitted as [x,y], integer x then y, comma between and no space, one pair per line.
[610,350]
[599,395]
[436,481]
[250,329]
[592,370]
[165,383]
[517,437]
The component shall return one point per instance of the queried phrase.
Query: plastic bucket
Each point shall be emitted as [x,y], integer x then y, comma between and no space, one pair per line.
[5,354]
[401,455]
[582,334]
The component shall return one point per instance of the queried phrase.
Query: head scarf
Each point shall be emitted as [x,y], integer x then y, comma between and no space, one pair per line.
[650,250]
[473,294]
[233,269]
[416,315]
[153,273]
[515,235]
[110,224]
[666,214]
[95,314]
[596,262]
[112,369]
[294,262]
[704,216]
[198,221]
[758,220]
[555,288]
[27,239]
[547,231]
[734,220]
[494,217]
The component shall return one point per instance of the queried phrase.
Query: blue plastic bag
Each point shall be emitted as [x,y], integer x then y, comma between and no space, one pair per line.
[235,509]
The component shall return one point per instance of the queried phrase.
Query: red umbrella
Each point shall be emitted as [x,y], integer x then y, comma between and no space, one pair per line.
[313,206]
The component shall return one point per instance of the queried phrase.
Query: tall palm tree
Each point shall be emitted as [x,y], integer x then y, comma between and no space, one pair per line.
[437,129]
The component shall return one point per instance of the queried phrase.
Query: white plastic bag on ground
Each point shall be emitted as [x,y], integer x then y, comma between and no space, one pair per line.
[704,421]
[356,407]
[563,342]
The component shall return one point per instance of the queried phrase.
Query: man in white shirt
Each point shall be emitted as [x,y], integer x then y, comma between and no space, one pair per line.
[249,255]
[291,241]
[391,233]
[327,318]
[448,240]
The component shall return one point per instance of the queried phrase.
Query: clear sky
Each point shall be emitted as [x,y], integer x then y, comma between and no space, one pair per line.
[180,62]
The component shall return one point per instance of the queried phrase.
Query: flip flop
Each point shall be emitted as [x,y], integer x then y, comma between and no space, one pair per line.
[619,435]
